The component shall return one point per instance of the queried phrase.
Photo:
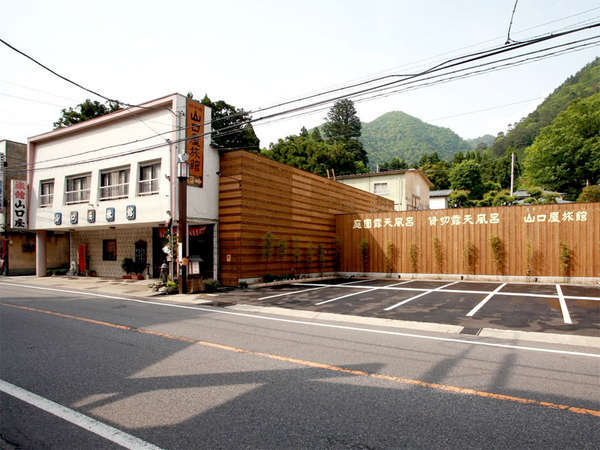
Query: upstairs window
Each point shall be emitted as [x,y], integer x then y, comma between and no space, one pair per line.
[77,189]
[114,183]
[148,182]
[46,193]
[380,188]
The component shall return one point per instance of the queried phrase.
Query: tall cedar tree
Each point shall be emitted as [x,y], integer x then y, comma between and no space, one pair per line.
[343,125]
[84,111]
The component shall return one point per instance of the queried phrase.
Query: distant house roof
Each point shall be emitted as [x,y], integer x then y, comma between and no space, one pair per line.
[440,193]
[384,173]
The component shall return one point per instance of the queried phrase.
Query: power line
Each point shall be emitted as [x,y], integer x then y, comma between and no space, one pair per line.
[508,39]
[442,66]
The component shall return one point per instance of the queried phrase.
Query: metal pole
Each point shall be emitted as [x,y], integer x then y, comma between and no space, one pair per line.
[512,172]
[183,234]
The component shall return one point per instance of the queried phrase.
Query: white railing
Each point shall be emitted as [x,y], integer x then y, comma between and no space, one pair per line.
[79,196]
[114,191]
[46,199]
[147,187]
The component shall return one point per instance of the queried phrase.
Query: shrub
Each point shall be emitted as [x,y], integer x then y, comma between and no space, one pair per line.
[363,246]
[128,265]
[267,278]
[243,285]
[413,254]
[389,257]
[566,259]
[471,256]
[211,285]
[499,253]
[438,253]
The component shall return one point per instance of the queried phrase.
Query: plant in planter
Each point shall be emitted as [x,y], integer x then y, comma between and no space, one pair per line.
[138,268]
[128,266]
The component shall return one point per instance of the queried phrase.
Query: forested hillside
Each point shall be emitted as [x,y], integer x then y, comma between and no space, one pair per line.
[399,135]
[584,83]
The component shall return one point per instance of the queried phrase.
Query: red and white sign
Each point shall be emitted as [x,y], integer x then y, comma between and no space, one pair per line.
[18,204]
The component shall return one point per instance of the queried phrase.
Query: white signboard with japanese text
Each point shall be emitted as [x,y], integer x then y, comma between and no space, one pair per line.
[18,204]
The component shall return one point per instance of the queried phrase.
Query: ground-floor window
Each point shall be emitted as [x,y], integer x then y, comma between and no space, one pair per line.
[109,250]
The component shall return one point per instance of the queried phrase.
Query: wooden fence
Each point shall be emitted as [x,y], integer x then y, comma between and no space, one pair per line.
[540,240]
[258,195]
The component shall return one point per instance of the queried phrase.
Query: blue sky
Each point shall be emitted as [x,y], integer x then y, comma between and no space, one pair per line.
[255,54]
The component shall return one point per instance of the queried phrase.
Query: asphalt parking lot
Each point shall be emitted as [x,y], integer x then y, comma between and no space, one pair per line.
[557,308]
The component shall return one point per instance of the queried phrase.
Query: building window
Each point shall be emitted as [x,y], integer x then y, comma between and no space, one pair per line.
[148,182]
[380,188]
[114,184]
[77,189]
[46,192]
[109,250]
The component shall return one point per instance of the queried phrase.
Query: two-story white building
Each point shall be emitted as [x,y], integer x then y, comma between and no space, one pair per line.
[111,183]
[408,188]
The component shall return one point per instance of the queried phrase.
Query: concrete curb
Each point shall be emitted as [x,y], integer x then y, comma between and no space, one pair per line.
[513,335]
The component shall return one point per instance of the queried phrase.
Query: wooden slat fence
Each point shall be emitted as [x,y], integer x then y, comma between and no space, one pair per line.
[258,195]
[532,241]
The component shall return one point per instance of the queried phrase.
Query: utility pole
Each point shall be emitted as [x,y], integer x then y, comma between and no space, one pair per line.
[183,172]
[512,172]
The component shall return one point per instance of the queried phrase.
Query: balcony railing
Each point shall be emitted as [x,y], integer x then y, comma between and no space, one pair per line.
[79,196]
[114,191]
[147,187]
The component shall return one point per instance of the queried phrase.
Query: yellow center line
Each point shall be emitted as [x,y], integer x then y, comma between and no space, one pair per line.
[394,379]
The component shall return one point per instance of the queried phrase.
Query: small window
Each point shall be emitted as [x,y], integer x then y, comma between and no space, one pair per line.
[46,193]
[149,178]
[114,183]
[109,250]
[380,188]
[77,189]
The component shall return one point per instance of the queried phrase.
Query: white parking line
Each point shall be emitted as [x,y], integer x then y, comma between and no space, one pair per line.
[87,423]
[485,300]
[312,289]
[319,324]
[398,284]
[389,308]
[563,305]
[344,296]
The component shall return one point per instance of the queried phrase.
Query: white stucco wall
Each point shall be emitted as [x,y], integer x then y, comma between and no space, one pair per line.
[83,150]
[438,203]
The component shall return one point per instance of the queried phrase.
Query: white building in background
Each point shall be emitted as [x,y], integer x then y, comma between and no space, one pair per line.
[408,188]
[439,199]
[111,183]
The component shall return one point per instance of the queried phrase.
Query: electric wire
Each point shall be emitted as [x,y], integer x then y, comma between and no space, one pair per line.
[250,121]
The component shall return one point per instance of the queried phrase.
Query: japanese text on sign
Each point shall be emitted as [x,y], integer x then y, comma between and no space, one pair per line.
[195,141]
[557,217]
[18,204]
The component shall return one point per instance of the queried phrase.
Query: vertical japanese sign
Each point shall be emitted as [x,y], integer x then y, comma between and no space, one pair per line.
[194,146]
[18,204]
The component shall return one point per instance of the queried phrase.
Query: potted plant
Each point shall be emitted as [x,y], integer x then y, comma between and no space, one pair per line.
[128,266]
[138,268]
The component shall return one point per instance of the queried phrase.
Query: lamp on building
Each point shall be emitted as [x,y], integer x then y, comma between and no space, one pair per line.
[183,173]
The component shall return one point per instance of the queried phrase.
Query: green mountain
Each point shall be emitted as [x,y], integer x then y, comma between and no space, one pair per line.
[486,139]
[583,84]
[399,135]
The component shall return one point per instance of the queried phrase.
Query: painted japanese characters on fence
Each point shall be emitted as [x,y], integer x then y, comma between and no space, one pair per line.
[557,217]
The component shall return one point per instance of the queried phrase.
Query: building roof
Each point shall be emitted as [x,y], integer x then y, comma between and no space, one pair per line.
[106,118]
[440,193]
[385,173]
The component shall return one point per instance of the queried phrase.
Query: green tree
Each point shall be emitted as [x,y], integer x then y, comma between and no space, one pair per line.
[84,111]
[394,164]
[566,153]
[466,176]
[231,127]
[589,194]
[343,126]
[459,199]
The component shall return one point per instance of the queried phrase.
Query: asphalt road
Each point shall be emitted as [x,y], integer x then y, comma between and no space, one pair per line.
[201,377]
